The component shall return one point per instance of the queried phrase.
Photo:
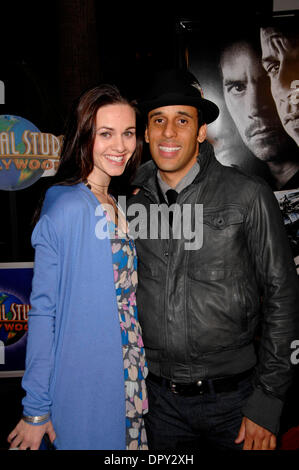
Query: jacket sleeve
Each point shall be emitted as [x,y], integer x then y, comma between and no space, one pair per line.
[41,322]
[275,269]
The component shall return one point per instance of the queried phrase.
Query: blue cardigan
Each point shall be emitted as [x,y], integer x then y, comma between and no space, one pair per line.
[74,364]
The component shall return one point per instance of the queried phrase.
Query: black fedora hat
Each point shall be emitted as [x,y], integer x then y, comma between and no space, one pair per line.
[175,87]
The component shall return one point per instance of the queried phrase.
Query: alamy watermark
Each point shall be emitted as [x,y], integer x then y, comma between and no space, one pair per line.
[295,353]
[153,222]
[2,92]
[2,353]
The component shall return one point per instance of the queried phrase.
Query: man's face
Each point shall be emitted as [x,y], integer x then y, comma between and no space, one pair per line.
[173,136]
[247,95]
[281,62]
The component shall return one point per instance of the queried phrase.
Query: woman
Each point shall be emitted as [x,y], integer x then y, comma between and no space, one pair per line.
[85,365]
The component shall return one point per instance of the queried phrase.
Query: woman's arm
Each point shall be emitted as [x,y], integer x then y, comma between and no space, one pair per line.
[40,349]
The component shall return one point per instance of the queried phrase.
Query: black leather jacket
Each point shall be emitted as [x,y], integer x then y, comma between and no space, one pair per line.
[200,309]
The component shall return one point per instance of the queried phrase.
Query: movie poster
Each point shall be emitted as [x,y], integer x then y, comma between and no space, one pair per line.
[289,206]
[15,289]
[251,71]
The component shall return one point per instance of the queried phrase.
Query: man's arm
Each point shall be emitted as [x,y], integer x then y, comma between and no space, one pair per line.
[270,251]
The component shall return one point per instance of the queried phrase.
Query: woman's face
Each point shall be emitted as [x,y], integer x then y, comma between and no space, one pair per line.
[115,140]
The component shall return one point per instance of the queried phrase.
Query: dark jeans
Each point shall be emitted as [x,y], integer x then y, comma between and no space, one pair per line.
[202,422]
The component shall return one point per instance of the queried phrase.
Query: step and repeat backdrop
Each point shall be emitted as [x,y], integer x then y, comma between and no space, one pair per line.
[250,69]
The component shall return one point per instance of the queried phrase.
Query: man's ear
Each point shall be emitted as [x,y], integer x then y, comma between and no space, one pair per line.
[146,136]
[202,133]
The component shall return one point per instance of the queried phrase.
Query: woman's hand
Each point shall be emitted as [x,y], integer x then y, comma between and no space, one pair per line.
[29,436]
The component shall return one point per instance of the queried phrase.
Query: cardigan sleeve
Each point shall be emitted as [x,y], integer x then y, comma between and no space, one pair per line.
[41,322]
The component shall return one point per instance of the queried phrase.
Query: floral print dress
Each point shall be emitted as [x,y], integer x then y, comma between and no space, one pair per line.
[135,368]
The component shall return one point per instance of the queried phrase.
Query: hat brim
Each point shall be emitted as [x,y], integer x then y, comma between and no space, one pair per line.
[209,110]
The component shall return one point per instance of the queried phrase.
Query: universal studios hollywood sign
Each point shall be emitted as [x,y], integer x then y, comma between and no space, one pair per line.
[26,154]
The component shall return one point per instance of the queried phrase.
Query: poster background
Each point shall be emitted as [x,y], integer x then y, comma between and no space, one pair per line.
[202,51]
[202,48]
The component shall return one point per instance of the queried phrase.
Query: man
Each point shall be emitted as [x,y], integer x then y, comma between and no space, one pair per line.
[200,308]
[280,48]
[248,98]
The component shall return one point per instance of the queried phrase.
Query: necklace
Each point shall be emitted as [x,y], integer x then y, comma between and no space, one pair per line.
[110,205]
[104,198]
[89,182]
[93,187]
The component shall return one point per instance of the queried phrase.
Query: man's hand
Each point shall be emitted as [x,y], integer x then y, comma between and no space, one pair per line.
[255,437]
[27,436]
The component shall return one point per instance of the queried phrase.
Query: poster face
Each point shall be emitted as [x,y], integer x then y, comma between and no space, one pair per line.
[15,288]
[251,71]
